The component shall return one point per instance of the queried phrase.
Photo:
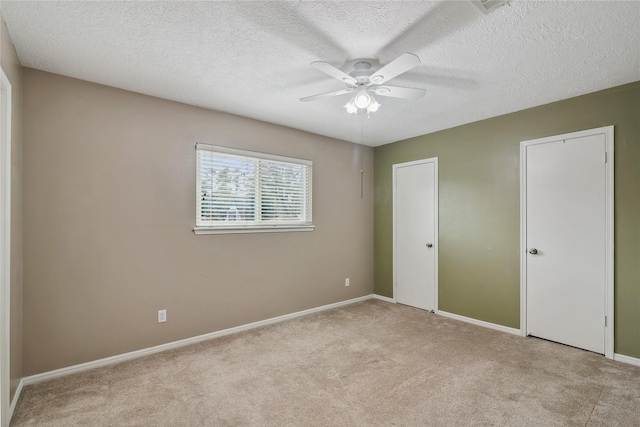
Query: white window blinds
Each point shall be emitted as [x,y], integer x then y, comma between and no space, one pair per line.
[239,190]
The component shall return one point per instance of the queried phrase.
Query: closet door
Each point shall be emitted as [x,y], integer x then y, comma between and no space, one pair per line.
[415,233]
[566,235]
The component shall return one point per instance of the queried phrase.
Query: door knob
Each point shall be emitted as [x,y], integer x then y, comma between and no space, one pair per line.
[533,251]
[429,245]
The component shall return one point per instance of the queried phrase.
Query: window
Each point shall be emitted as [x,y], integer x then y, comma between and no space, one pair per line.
[242,191]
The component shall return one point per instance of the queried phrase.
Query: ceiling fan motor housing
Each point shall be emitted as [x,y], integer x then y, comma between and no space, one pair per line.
[361,72]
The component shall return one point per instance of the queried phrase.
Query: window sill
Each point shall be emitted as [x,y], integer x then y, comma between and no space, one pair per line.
[254,229]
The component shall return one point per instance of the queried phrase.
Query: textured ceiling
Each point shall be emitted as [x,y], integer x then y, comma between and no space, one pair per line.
[252,58]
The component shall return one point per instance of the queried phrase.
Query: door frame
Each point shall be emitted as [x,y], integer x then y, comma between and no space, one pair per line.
[5,246]
[395,167]
[607,131]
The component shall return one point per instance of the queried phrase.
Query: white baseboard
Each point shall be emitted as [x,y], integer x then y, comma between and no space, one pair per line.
[626,359]
[14,401]
[381,298]
[477,322]
[617,357]
[33,379]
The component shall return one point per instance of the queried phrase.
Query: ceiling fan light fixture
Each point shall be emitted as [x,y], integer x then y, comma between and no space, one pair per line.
[362,99]
[351,107]
[373,107]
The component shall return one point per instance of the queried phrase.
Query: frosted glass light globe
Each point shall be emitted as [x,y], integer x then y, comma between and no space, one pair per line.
[362,99]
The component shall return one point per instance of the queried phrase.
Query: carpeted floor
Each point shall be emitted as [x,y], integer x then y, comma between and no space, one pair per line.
[366,364]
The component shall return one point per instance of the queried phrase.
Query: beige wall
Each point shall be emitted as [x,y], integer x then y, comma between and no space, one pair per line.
[12,68]
[109,205]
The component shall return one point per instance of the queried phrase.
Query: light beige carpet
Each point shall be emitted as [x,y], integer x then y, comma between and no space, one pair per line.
[367,364]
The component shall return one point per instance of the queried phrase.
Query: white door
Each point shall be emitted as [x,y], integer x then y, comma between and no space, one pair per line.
[566,240]
[415,233]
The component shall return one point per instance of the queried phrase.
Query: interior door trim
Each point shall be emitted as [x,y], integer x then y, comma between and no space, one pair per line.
[5,248]
[607,131]
[395,167]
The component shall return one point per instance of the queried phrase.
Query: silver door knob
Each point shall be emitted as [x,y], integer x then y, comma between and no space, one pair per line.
[533,251]
[429,245]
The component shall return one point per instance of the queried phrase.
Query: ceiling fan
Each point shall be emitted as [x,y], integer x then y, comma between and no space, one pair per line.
[364,81]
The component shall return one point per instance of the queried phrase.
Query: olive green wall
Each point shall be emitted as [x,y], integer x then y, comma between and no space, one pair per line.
[480,212]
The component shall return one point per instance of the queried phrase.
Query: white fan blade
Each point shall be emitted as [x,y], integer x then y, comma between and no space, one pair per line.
[334,72]
[401,64]
[400,92]
[326,95]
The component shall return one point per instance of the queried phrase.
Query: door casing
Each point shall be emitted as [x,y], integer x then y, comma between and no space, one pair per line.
[5,245]
[607,131]
[436,246]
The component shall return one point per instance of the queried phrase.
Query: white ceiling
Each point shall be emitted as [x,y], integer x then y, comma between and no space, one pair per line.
[252,58]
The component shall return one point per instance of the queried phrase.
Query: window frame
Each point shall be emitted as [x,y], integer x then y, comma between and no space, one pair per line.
[258,227]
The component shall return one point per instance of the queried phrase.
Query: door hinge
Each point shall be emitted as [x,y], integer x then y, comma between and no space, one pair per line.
[605,321]
[605,157]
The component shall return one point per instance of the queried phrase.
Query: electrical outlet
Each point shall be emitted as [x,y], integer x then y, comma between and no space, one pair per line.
[162,316]
[346,281]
